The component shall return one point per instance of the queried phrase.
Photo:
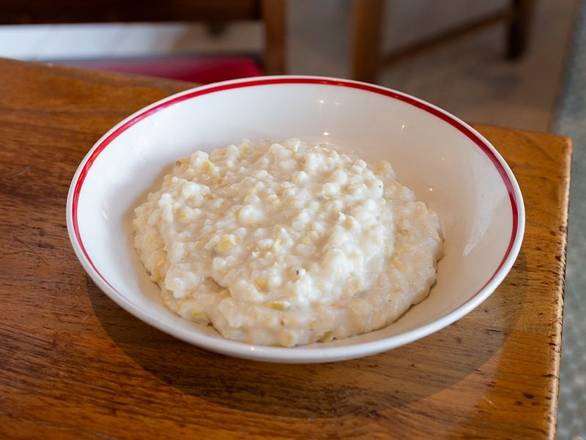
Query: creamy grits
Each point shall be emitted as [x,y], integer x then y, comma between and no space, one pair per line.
[287,243]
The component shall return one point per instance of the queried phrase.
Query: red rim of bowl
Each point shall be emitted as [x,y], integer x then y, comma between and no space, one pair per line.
[462,127]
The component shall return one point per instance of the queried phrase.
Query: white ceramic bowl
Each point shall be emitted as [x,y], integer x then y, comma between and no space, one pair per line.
[449,165]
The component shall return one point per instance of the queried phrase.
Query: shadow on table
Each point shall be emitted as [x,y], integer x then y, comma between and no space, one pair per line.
[358,387]
[521,370]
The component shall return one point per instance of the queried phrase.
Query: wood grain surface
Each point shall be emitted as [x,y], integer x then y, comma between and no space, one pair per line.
[74,365]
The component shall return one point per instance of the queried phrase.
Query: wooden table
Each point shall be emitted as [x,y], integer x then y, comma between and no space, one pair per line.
[75,365]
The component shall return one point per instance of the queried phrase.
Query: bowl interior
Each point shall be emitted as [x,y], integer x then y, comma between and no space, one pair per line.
[445,168]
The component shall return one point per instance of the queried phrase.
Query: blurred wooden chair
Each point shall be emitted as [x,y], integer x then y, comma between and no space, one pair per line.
[215,13]
[367,17]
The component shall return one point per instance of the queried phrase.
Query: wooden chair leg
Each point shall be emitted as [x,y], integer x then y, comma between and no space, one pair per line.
[274,14]
[519,28]
[367,18]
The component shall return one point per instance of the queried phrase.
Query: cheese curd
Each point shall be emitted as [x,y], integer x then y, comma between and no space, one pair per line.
[287,243]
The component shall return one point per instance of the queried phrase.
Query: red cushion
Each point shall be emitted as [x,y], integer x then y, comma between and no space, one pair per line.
[197,69]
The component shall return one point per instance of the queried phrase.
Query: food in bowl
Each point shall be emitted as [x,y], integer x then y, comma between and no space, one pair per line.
[287,243]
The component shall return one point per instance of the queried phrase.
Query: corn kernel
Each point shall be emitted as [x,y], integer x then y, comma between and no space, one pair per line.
[327,337]
[286,339]
[251,197]
[200,317]
[350,189]
[182,215]
[261,283]
[249,214]
[273,199]
[277,231]
[208,167]
[278,305]
[350,222]
[226,242]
